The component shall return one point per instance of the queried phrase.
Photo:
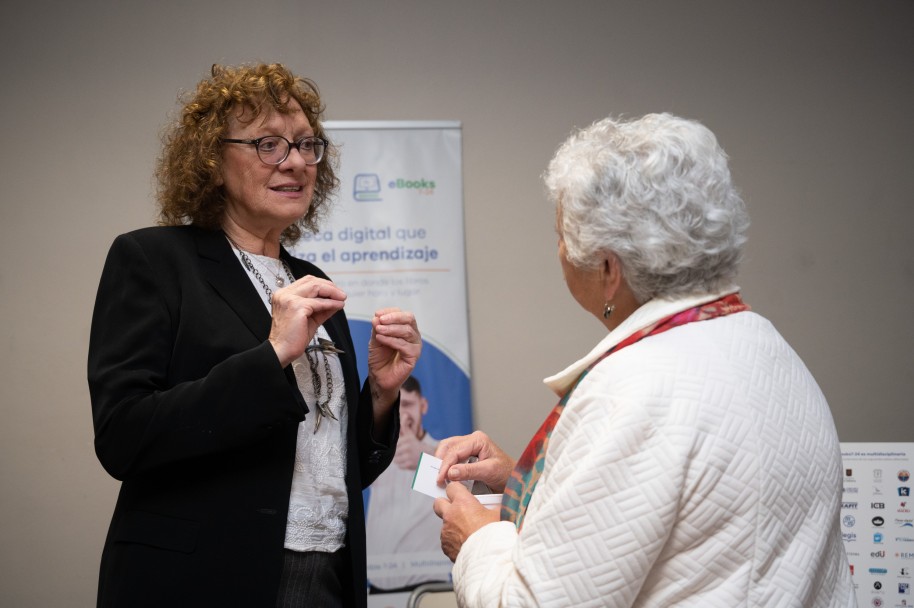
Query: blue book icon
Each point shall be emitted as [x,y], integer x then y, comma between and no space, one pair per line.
[366,187]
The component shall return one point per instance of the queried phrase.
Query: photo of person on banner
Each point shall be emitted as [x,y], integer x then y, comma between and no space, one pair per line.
[403,543]
[222,372]
[692,458]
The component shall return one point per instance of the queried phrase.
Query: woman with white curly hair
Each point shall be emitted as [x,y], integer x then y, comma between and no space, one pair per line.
[692,459]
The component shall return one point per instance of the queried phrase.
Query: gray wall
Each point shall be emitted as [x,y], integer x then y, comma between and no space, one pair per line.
[808,98]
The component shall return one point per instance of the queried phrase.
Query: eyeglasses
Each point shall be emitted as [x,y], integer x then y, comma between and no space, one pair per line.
[271,150]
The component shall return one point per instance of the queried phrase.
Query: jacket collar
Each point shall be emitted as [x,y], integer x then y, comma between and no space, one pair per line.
[228,278]
[647,314]
[226,275]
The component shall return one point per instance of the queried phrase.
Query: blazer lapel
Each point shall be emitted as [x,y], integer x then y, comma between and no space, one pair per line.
[333,325]
[337,327]
[229,279]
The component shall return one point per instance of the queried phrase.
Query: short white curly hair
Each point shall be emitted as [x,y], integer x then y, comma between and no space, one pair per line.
[656,192]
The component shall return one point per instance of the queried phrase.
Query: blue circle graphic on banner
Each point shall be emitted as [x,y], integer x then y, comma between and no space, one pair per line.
[444,385]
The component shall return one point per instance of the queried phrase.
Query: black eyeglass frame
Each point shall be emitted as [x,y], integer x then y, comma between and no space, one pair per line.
[289,145]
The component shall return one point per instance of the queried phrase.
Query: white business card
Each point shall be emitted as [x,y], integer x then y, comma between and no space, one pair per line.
[426,478]
[426,481]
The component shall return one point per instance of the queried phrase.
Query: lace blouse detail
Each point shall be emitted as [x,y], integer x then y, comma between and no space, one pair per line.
[318,504]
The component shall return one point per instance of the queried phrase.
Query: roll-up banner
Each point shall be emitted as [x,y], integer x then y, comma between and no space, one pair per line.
[395,237]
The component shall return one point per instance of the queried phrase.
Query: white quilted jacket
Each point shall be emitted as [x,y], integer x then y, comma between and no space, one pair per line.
[697,467]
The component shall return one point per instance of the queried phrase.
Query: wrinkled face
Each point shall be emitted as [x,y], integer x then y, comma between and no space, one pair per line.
[264,198]
[585,285]
[412,407]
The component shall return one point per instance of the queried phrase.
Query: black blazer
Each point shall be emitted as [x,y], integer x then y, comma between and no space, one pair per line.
[195,416]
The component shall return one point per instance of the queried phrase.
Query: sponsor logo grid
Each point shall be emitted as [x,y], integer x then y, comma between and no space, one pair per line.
[876,521]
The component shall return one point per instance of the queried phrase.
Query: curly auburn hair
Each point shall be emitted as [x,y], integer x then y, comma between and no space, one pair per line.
[191,160]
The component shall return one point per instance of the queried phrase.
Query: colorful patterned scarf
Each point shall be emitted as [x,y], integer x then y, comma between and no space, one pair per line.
[522,482]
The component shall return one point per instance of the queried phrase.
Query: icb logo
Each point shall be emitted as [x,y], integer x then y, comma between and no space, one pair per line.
[366,187]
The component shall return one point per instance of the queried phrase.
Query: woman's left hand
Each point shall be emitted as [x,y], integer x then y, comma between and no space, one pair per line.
[461,514]
[393,350]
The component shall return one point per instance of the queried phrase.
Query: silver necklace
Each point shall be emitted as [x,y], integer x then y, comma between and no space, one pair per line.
[317,344]
[280,264]
[249,265]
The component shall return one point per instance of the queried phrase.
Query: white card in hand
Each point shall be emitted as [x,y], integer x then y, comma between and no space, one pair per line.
[426,481]
[426,478]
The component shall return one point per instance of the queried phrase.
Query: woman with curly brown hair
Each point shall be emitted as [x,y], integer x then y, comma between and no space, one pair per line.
[224,388]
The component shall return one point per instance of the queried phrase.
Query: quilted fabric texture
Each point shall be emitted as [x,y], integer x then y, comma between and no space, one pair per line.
[698,467]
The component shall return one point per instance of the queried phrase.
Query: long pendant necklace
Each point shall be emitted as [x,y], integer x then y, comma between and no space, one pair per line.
[317,344]
[323,407]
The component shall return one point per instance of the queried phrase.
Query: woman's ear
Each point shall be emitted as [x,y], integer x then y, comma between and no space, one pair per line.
[612,276]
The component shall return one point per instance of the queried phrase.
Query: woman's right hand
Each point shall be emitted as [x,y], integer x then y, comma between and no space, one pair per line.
[298,310]
[493,467]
